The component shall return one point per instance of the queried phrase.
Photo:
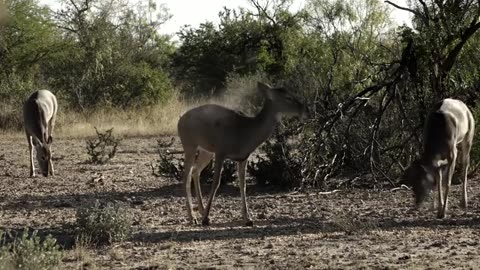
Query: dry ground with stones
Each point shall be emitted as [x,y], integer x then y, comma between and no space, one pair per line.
[357,229]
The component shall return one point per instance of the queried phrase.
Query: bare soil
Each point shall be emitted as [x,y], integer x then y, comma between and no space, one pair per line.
[357,229]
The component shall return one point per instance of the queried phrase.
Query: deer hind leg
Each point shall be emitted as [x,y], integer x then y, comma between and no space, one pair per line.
[203,160]
[51,126]
[30,151]
[465,159]
[216,183]
[450,169]
[243,189]
[187,180]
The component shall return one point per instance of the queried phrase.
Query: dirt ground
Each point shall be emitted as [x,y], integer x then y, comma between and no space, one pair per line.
[357,229]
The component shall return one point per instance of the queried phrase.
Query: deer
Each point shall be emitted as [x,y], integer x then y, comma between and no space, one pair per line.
[448,136]
[39,114]
[215,131]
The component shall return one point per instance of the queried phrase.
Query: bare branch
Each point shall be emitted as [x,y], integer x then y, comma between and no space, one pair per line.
[406,9]
[452,56]
[263,10]
[425,10]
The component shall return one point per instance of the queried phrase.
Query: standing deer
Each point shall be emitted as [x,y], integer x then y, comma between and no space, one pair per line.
[213,130]
[449,129]
[39,112]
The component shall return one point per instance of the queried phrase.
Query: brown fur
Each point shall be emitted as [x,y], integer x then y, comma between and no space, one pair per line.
[213,130]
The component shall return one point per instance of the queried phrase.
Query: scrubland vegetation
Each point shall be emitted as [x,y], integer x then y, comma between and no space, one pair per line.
[368,82]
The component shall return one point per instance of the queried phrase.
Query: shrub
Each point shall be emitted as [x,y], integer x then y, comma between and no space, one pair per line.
[279,164]
[102,148]
[475,151]
[29,252]
[104,223]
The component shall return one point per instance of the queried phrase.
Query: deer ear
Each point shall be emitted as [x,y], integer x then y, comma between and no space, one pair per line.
[263,86]
[265,89]
[50,139]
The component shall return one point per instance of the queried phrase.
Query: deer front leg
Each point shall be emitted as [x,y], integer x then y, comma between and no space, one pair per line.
[439,193]
[216,183]
[30,151]
[451,169]
[243,189]
[50,166]
[187,180]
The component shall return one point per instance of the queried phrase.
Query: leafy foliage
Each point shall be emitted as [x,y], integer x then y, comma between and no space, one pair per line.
[369,83]
[243,43]
[279,164]
[29,252]
[104,223]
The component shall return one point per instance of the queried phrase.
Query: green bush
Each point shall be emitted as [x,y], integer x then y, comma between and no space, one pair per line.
[475,151]
[279,164]
[29,252]
[104,223]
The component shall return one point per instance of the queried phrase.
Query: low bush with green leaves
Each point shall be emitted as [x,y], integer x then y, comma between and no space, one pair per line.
[279,164]
[29,251]
[104,223]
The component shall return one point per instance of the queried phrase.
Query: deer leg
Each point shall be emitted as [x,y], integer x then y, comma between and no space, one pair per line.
[51,125]
[451,169]
[216,183]
[465,165]
[30,151]
[439,177]
[434,202]
[243,189]
[187,180]
[203,160]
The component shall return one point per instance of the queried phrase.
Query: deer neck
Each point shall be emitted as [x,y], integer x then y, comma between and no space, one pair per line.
[265,122]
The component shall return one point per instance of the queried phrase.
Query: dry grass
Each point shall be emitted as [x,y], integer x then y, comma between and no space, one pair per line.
[149,121]
[156,120]
[82,254]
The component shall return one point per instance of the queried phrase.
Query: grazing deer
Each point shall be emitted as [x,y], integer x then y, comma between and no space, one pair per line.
[213,130]
[39,112]
[449,128]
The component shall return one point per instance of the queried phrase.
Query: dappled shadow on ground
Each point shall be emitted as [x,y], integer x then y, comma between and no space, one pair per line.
[32,201]
[285,226]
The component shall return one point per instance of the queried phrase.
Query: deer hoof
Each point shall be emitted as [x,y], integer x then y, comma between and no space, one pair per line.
[249,223]
[440,215]
[206,222]
[192,221]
